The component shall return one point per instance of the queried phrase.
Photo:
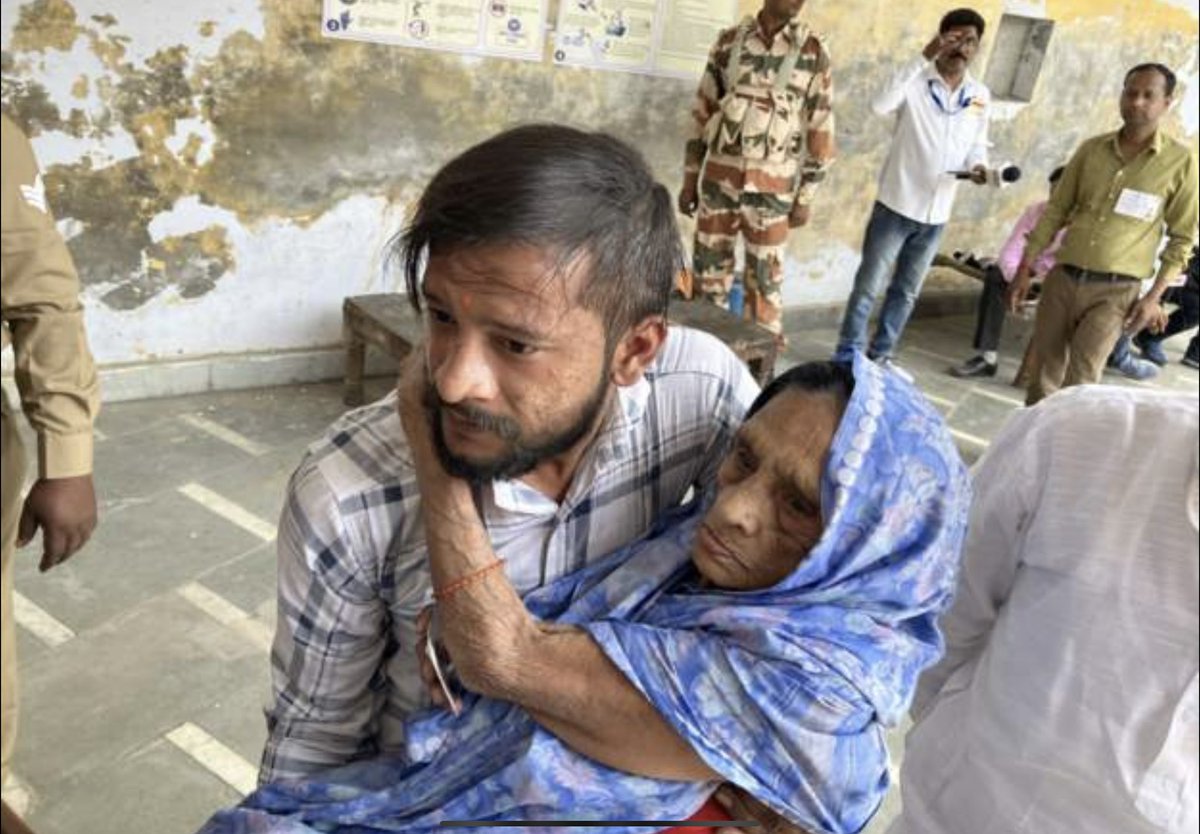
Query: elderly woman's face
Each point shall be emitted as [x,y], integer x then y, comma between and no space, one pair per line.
[767,514]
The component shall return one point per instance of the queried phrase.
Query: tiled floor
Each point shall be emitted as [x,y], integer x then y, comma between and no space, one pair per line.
[143,660]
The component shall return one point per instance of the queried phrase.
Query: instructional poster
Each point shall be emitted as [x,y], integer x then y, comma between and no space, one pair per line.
[689,28]
[663,37]
[510,28]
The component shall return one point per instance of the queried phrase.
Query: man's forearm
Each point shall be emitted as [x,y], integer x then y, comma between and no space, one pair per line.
[1166,277]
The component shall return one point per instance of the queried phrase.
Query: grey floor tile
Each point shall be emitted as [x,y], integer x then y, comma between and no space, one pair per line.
[149,549]
[259,484]
[108,693]
[237,718]
[980,415]
[160,458]
[247,581]
[155,790]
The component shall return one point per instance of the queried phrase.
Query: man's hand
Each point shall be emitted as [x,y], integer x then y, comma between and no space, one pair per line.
[799,216]
[689,197]
[939,46]
[1018,290]
[1146,314]
[65,510]
[742,806]
[979,174]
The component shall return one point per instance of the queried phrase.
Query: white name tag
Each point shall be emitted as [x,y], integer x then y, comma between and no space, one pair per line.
[1138,204]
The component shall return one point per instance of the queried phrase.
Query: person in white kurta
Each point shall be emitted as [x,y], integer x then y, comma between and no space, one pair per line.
[1067,701]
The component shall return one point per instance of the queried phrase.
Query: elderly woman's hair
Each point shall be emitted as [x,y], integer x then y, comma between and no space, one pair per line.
[835,379]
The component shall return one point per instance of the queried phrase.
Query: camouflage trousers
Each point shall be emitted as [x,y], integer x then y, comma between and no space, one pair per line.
[753,198]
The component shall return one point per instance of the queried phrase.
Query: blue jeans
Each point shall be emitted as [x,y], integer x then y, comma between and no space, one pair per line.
[892,240]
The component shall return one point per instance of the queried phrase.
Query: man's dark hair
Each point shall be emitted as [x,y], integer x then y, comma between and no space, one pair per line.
[1164,71]
[833,378]
[1056,174]
[562,190]
[961,17]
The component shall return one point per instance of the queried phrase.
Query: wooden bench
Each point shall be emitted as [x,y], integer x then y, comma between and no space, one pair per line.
[388,322]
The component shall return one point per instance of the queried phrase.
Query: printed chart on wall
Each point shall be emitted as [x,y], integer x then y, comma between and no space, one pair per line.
[508,28]
[661,37]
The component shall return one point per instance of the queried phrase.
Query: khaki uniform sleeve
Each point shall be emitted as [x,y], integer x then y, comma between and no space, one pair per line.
[708,99]
[40,309]
[820,146]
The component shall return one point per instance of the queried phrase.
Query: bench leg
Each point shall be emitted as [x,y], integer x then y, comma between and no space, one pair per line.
[356,360]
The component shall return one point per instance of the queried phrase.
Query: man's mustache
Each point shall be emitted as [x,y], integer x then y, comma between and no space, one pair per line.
[480,418]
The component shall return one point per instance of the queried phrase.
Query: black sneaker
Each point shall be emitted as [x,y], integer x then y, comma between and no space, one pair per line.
[976,366]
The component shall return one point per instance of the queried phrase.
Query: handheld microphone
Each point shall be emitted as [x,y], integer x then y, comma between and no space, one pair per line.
[1004,175]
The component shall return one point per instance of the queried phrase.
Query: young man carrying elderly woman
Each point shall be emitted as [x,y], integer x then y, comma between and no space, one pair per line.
[752,643]
[778,625]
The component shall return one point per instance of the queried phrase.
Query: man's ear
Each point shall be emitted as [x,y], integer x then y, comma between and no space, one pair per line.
[636,349]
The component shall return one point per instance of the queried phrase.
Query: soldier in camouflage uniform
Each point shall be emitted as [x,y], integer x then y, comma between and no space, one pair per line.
[763,134]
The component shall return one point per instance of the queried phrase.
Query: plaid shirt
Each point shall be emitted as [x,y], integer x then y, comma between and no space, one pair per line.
[353,571]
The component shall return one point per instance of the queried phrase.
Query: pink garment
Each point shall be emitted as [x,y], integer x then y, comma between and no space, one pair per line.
[1009,259]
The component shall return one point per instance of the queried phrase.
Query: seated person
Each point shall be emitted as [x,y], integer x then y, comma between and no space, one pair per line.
[774,627]
[1185,317]
[989,319]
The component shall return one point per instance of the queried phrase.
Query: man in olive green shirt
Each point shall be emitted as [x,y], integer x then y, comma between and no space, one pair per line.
[41,315]
[1119,193]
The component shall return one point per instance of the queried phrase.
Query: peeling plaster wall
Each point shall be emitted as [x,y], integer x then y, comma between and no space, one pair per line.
[224,176]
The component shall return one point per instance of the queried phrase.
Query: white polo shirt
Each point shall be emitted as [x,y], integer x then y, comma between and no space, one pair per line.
[937,130]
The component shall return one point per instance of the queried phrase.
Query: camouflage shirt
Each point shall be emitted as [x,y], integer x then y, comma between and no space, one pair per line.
[808,127]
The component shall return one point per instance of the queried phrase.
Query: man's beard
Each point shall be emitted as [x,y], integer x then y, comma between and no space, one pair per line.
[523,453]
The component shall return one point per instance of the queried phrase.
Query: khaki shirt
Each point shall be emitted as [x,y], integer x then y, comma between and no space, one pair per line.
[1117,208]
[811,84]
[42,318]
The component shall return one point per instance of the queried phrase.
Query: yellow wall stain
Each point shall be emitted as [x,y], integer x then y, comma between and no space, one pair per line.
[45,24]
[301,123]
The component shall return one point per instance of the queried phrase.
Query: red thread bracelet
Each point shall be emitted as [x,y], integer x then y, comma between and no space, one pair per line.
[444,593]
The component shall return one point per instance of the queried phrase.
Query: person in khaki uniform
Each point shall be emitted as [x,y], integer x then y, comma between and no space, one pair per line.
[763,132]
[1119,192]
[42,318]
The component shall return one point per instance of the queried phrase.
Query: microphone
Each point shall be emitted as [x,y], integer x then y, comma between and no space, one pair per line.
[1003,175]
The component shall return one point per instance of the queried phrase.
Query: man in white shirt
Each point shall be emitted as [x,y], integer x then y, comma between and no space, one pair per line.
[1067,698]
[941,128]
[544,258]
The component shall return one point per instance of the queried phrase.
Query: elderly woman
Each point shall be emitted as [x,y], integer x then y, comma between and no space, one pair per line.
[776,626]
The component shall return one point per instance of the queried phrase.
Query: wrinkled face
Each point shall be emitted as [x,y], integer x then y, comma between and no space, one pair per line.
[783,9]
[518,371]
[767,513]
[958,57]
[1144,99]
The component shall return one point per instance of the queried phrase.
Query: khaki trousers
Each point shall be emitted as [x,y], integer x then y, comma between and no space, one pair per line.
[1076,328]
[12,476]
